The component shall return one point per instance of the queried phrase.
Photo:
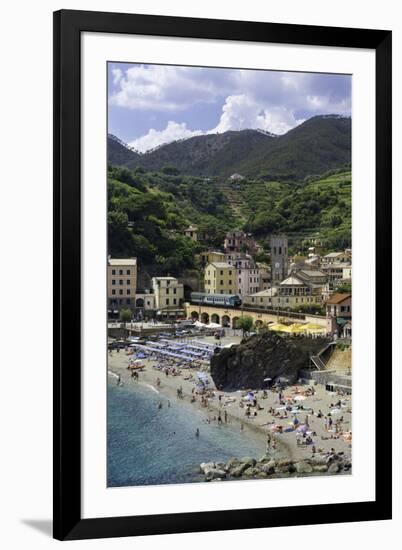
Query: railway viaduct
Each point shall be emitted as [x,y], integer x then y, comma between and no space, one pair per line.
[227,317]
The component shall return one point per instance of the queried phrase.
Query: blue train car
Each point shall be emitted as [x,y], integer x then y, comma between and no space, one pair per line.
[226,300]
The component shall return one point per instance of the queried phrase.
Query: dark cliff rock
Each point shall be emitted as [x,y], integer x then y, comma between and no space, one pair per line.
[265,355]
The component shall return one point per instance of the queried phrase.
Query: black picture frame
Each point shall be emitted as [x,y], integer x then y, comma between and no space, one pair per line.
[68,26]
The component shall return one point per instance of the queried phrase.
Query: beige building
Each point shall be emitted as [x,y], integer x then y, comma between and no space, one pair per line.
[220,278]
[344,258]
[211,256]
[168,293]
[299,289]
[264,299]
[265,276]
[145,301]
[339,314]
[191,232]
[121,283]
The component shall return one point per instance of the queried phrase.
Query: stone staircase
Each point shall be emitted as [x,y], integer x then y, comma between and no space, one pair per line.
[234,198]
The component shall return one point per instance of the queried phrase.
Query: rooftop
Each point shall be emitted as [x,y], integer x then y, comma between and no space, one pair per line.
[312,273]
[338,298]
[122,261]
[221,265]
[292,280]
[273,291]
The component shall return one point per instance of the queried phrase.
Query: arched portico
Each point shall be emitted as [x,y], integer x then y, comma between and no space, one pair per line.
[204,318]
[225,321]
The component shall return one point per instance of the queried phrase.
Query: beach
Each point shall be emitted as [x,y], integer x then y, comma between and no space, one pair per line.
[319,410]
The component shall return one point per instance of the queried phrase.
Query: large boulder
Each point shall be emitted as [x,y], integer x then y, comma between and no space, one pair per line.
[265,355]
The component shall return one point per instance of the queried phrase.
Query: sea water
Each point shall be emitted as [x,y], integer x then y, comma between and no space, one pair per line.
[148,445]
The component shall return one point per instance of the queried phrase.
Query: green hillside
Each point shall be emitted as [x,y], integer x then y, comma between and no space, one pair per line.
[320,144]
[148,212]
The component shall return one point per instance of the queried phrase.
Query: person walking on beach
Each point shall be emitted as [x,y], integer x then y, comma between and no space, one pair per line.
[118,380]
[197,433]
[241,426]
[168,403]
[226,416]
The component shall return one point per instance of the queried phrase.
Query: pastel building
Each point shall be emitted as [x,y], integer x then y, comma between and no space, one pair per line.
[121,283]
[168,293]
[220,278]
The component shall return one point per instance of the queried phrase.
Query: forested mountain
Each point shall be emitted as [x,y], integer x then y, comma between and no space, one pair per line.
[320,144]
[148,212]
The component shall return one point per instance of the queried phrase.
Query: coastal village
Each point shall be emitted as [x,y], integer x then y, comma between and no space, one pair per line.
[292,288]
[179,336]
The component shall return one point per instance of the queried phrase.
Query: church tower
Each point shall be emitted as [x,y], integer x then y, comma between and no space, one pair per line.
[279,259]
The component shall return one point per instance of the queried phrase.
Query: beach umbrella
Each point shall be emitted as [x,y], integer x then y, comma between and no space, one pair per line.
[297,328]
[277,327]
[302,429]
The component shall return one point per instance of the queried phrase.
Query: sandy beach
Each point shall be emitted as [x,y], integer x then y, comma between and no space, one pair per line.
[320,410]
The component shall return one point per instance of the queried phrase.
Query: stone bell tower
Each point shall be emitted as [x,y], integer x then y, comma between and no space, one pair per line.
[279,258]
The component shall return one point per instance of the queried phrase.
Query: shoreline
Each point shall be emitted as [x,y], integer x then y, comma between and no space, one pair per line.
[255,427]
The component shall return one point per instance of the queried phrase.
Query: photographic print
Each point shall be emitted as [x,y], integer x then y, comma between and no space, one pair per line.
[229,274]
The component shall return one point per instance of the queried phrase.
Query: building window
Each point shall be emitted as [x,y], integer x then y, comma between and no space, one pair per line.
[120,272]
[230,282]
[230,271]
[128,281]
[120,281]
[120,301]
[128,301]
[128,272]
[167,291]
[113,272]
[113,291]
[128,292]
[113,281]
[120,292]
[221,272]
[221,282]
[174,301]
[175,291]
[167,301]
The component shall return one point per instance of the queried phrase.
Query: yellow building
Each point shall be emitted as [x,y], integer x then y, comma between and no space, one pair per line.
[210,256]
[220,278]
[121,283]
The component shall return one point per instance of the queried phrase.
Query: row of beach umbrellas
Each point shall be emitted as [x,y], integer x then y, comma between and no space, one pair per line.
[298,328]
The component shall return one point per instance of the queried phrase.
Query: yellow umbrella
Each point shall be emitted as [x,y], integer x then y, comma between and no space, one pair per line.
[313,326]
[296,328]
[278,326]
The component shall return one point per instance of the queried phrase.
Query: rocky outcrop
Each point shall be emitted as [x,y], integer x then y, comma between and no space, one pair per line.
[262,356]
[270,467]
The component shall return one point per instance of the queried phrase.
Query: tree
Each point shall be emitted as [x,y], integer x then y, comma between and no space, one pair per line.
[245,323]
[125,315]
[344,288]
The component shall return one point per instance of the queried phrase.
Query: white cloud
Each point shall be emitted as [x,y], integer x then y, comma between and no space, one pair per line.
[173,132]
[162,88]
[269,100]
[117,76]
[240,112]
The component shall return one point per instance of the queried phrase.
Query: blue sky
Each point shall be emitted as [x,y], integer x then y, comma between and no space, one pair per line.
[154,104]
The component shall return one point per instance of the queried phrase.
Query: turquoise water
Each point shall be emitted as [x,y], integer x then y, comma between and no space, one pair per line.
[151,446]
